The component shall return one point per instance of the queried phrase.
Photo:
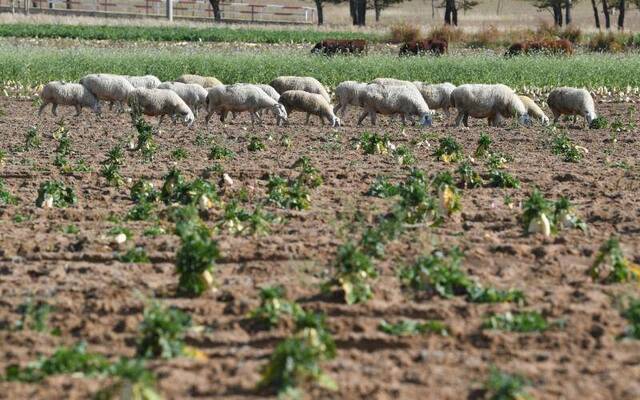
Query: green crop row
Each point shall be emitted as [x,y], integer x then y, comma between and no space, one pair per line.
[32,65]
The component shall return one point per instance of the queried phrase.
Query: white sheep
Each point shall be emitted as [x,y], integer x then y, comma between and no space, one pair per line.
[391,100]
[309,84]
[160,102]
[193,94]
[348,93]
[269,90]
[310,103]
[146,81]
[204,81]
[67,94]
[108,87]
[391,82]
[534,110]
[571,101]
[240,98]
[437,96]
[487,101]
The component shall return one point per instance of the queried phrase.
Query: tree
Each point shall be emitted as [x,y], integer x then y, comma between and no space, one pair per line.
[379,5]
[360,12]
[320,10]
[451,13]
[605,10]
[567,12]
[621,7]
[556,8]
[595,13]
[215,5]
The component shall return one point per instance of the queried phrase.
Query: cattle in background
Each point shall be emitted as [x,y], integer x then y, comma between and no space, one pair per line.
[436,47]
[559,46]
[331,47]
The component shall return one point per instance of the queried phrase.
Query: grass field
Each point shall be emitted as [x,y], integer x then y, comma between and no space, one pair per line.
[178,33]
[31,65]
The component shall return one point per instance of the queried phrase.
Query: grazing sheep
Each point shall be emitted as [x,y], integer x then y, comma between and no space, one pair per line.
[108,87]
[571,101]
[348,93]
[437,96]
[160,102]
[331,47]
[67,94]
[193,94]
[534,111]
[311,103]
[436,47]
[391,82]
[146,81]
[240,98]
[487,101]
[390,100]
[204,81]
[283,83]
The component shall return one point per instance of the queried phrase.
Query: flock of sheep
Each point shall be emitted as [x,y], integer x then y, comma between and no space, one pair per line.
[184,97]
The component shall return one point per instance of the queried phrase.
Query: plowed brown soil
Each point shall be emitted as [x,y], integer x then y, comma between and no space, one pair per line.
[100,300]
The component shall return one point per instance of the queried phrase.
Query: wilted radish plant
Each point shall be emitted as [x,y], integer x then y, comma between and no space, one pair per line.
[611,266]
[55,194]
[273,306]
[354,271]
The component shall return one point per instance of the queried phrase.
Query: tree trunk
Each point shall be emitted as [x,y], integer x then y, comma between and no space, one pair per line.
[595,13]
[567,12]
[362,12]
[353,12]
[215,6]
[320,14]
[605,10]
[433,9]
[557,14]
[621,7]
[454,16]
[377,6]
[68,4]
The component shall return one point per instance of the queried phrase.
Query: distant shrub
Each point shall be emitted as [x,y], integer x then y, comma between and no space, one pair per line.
[447,33]
[608,42]
[404,32]
[486,37]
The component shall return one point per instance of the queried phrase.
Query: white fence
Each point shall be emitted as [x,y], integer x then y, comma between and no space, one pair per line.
[181,9]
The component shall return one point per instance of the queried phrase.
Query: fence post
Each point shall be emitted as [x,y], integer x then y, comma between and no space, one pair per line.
[170,10]
[26,6]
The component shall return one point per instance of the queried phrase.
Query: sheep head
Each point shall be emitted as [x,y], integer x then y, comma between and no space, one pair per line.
[426,120]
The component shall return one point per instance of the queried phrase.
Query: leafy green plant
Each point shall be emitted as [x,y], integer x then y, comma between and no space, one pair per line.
[233,218]
[504,386]
[296,360]
[309,175]
[417,204]
[63,151]
[599,123]
[6,198]
[179,153]
[65,360]
[565,216]
[259,222]
[146,145]
[288,193]
[32,139]
[538,214]
[116,230]
[143,191]
[448,194]
[154,231]
[438,273]
[195,259]
[479,294]
[55,194]
[115,156]
[273,305]
[497,160]
[162,331]
[503,179]
[562,145]
[256,144]
[35,315]
[611,266]
[136,255]
[632,314]
[70,229]
[523,321]
[218,152]
[382,188]
[142,211]
[111,172]
[372,143]
[412,327]
[467,176]
[354,270]
[484,143]
[449,150]
[132,380]
[404,155]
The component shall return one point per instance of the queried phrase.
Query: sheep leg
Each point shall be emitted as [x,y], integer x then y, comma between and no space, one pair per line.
[556,117]
[207,118]
[322,119]
[257,116]
[160,120]
[465,120]
[372,115]
[403,118]
[362,117]
[42,107]
[306,121]
[459,118]
[78,110]
[447,114]
[54,109]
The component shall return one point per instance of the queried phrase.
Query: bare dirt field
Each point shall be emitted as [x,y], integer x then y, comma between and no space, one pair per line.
[99,300]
